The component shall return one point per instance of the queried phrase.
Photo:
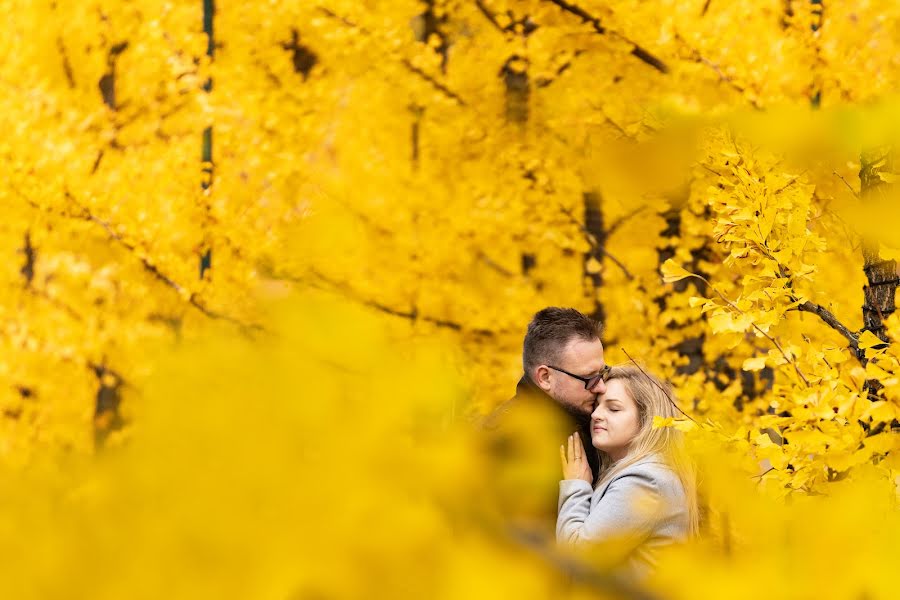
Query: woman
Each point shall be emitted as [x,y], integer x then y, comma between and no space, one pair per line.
[645,497]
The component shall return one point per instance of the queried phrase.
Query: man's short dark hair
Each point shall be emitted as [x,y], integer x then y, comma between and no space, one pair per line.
[550,330]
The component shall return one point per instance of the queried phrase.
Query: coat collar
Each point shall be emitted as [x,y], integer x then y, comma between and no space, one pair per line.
[526,388]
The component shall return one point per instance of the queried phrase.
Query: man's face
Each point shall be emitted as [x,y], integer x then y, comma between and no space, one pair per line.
[585,359]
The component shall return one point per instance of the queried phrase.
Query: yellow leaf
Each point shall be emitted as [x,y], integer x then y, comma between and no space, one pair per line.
[672,271]
[841,461]
[659,422]
[754,364]
[881,411]
[720,321]
[696,301]
[868,340]
[836,355]
[684,425]
[883,442]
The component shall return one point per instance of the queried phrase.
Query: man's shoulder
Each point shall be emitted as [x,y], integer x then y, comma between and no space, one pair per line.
[495,418]
[526,394]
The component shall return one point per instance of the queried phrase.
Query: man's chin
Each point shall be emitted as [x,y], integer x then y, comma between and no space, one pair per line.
[578,410]
[585,413]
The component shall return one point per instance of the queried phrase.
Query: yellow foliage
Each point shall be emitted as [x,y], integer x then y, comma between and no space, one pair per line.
[447,169]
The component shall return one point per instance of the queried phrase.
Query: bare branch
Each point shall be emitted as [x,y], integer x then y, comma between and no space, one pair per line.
[764,473]
[756,327]
[494,265]
[435,83]
[666,393]
[489,16]
[543,82]
[593,242]
[849,187]
[697,57]
[623,219]
[637,51]
[412,314]
[406,63]
[192,298]
[832,322]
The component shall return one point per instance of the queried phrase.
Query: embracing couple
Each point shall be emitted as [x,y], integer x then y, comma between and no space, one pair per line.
[624,486]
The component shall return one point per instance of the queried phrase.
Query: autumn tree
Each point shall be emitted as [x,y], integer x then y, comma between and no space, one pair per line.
[713,180]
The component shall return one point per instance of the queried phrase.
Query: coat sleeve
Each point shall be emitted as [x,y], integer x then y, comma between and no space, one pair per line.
[628,509]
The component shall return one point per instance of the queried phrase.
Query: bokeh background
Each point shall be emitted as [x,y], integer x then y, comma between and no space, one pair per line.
[268,264]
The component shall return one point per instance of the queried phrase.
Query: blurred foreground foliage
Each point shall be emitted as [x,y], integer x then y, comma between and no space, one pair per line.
[326,463]
[256,376]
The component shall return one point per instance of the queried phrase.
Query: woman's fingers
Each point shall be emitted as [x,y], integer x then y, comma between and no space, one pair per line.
[562,456]
[579,449]
[571,453]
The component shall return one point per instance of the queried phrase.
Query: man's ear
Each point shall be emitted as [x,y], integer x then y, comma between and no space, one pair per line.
[542,378]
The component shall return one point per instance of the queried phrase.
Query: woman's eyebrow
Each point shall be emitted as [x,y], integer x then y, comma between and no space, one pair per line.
[611,400]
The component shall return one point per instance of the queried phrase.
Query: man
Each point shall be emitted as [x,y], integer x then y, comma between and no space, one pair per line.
[564,369]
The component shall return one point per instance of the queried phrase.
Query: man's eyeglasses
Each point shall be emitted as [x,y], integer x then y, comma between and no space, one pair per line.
[589,382]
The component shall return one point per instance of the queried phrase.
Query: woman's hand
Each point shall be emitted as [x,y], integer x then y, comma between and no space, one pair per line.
[574,461]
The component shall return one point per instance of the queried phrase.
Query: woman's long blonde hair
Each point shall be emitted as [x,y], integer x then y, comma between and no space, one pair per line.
[654,397]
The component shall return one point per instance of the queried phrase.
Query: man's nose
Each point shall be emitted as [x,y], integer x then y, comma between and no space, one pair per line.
[599,387]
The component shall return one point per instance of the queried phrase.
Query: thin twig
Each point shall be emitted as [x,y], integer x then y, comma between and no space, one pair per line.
[490,16]
[435,83]
[637,50]
[755,326]
[345,290]
[832,322]
[191,297]
[621,220]
[659,386]
[849,187]
[595,246]
[406,63]
[699,58]
[766,472]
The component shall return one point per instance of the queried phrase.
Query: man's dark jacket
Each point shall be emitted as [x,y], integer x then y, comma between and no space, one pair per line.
[524,435]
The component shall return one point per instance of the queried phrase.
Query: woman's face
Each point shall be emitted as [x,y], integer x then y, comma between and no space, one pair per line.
[616,420]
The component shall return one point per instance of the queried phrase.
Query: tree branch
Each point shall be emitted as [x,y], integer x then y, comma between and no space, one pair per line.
[697,57]
[755,326]
[405,62]
[345,290]
[593,242]
[489,16]
[663,390]
[624,218]
[832,322]
[435,83]
[637,50]
[849,187]
[191,297]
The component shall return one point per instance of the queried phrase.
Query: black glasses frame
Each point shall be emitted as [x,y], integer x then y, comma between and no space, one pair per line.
[589,382]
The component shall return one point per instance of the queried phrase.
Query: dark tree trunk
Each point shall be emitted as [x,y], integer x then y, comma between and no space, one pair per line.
[593,223]
[518,91]
[107,417]
[881,275]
